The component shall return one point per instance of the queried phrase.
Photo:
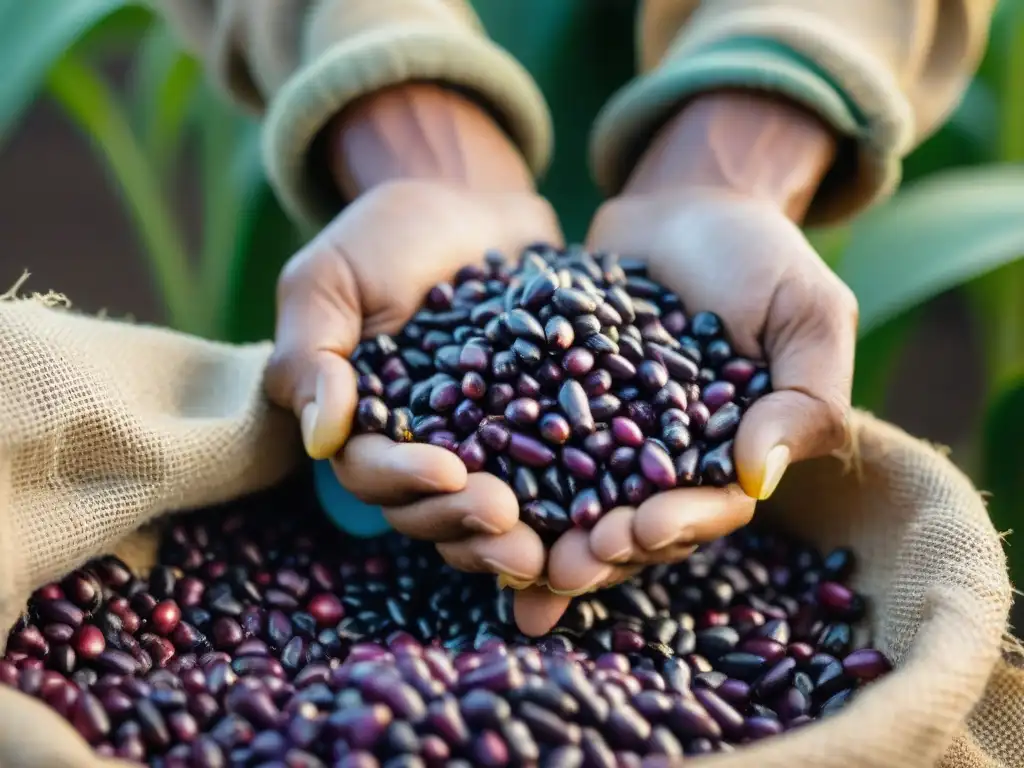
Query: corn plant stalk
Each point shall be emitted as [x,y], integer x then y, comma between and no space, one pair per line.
[997,296]
[221,139]
[94,108]
[164,84]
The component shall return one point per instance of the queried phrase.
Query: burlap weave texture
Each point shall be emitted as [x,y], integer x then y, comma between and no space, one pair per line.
[104,426]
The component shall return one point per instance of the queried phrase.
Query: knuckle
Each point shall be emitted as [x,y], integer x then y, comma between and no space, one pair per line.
[605,217]
[279,380]
[836,421]
[299,271]
[545,216]
[846,301]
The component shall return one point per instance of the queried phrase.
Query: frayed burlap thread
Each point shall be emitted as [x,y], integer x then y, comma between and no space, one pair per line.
[105,426]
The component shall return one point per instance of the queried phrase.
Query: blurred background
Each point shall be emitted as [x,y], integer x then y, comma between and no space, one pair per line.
[131,188]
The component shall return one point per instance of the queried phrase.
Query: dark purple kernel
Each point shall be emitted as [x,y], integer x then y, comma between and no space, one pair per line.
[474,386]
[494,435]
[546,516]
[618,367]
[656,465]
[578,463]
[604,407]
[529,451]
[866,664]
[523,411]
[600,445]
[608,490]
[626,432]
[521,324]
[578,361]
[539,290]
[636,490]
[311,628]
[585,509]
[372,414]
[498,397]
[558,333]
[676,438]
[585,326]
[555,429]
[576,407]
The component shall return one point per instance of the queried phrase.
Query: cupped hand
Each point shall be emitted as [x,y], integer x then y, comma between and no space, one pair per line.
[366,274]
[746,261]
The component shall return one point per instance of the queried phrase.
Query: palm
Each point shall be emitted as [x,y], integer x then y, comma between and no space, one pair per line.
[747,262]
[367,274]
[731,257]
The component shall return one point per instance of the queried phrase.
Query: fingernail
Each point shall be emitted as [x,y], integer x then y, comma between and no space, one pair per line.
[308,424]
[314,427]
[572,592]
[510,574]
[682,535]
[622,555]
[595,583]
[775,464]
[479,525]
[504,580]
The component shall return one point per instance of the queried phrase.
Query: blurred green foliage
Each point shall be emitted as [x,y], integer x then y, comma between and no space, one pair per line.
[164,119]
[956,224]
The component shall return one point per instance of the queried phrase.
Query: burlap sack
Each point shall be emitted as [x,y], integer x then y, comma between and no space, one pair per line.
[104,426]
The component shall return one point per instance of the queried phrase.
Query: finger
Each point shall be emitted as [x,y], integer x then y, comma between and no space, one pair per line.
[810,339]
[572,567]
[380,471]
[691,516]
[538,609]
[611,539]
[484,506]
[317,329]
[528,220]
[395,260]
[518,554]
[673,553]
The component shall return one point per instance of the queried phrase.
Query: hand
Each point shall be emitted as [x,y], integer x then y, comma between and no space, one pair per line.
[366,274]
[435,184]
[718,229]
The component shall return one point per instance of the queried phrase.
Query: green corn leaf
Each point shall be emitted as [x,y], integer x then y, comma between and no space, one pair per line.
[267,242]
[969,137]
[118,34]
[227,177]
[164,83]
[936,235]
[265,239]
[1003,469]
[34,35]
[92,105]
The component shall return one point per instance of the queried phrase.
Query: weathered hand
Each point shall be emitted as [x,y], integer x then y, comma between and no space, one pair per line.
[712,208]
[367,274]
[746,261]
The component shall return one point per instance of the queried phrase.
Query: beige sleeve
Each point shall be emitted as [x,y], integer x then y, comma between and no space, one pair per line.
[883,73]
[299,62]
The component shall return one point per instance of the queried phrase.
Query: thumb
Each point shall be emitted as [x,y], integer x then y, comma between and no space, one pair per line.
[318,328]
[810,339]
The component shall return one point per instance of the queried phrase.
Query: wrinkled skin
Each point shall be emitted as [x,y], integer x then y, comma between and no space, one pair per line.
[740,257]
[356,280]
[711,207]
[746,261]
